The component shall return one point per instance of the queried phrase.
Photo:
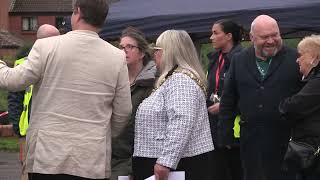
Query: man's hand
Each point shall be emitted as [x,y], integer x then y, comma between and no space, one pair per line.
[214,109]
[161,172]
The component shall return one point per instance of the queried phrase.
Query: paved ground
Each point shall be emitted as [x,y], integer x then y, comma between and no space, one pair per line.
[9,166]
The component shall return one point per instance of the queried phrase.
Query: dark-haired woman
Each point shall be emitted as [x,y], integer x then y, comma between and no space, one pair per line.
[142,72]
[226,37]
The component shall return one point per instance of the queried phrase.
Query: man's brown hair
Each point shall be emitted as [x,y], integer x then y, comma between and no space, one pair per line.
[93,12]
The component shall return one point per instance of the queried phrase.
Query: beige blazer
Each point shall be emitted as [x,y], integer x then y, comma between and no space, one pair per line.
[81,98]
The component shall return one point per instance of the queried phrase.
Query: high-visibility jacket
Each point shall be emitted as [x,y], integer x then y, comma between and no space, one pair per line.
[236,127]
[24,118]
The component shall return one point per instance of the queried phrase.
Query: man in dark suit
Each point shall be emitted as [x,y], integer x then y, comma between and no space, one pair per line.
[258,79]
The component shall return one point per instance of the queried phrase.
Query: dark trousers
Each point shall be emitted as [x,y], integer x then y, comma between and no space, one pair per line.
[262,155]
[196,168]
[225,164]
[37,176]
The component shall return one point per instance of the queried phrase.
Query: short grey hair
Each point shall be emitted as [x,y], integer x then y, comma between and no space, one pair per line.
[310,44]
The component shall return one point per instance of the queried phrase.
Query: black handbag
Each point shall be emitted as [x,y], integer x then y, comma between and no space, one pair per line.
[301,157]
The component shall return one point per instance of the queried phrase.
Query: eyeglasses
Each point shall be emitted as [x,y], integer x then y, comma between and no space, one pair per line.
[156,49]
[128,47]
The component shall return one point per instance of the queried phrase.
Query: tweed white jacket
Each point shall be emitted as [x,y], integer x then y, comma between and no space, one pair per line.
[173,122]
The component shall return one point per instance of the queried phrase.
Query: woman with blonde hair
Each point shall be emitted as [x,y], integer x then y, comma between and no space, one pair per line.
[172,129]
[302,111]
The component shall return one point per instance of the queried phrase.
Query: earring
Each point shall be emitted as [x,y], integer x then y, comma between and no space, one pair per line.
[314,63]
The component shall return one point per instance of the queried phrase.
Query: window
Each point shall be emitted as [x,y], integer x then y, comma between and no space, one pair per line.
[60,22]
[29,23]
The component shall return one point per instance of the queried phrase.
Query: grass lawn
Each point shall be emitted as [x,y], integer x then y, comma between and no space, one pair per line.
[9,144]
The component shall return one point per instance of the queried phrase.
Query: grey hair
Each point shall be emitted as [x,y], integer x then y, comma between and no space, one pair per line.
[178,50]
[311,44]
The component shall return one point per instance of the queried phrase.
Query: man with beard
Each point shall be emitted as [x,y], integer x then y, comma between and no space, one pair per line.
[258,79]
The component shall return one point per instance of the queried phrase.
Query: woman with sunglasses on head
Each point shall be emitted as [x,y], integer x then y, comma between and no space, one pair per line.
[172,128]
[226,37]
[142,72]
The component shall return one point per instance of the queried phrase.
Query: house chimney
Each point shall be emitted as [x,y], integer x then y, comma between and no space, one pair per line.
[4,14]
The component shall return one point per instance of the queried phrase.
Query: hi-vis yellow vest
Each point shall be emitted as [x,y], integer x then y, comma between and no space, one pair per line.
[24,121]
[236,127]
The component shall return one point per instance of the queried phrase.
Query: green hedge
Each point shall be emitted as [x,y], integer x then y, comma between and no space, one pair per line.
[3,100]
[4,93]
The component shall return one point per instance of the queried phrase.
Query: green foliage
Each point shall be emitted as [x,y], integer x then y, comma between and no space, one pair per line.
[23,51]
[292,42]
[205,50]
[3,100]
[9,60]
[9,144]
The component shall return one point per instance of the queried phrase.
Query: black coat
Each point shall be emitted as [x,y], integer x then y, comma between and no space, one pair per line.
[212,68]
[303,110]
[264,137]
[15,108]
[122,145]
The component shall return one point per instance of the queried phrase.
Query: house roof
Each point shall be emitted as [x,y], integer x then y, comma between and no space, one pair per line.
[8,40]
[41,6]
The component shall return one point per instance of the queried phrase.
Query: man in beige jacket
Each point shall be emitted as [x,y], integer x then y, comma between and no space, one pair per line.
[81,98]
[17,99]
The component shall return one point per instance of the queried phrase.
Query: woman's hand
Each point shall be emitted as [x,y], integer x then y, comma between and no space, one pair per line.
[161,172]
[214,109]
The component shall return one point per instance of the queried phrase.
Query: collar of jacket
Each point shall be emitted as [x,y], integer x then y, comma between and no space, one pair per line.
[84,32]
[147,75]
[212,56]
[314,73]
[234,50]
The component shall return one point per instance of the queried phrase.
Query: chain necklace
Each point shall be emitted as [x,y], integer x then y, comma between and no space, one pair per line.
[189,74]
[261,70]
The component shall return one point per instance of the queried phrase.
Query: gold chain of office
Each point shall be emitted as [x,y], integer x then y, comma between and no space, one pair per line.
[189,74]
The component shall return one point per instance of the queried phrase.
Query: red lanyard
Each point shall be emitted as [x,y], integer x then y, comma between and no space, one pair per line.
[218,71]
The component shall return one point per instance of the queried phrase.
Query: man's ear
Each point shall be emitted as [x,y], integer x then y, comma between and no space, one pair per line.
[251,37]
[77,14]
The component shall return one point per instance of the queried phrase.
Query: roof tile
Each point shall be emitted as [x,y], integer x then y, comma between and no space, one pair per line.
[8,40]
[22,6]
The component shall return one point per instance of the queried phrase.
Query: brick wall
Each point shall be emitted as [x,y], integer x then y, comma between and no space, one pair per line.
[6,130]
[15,24]
[4,18]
